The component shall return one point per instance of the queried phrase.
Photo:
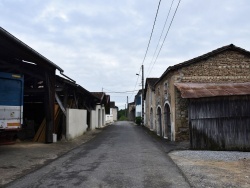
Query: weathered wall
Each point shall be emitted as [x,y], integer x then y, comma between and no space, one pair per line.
[131,113]
[76,123]
[150,104]
[164,95]
[181,120]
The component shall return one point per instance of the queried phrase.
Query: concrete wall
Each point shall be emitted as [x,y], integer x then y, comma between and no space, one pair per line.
[100,116]
[112,116]
[109,118]
[115,114]
[76,123]
[93,119]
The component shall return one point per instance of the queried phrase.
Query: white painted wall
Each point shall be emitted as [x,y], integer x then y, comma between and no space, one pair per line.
[93,119]
[98,116]
[76,123]
[115,114]
[110,118]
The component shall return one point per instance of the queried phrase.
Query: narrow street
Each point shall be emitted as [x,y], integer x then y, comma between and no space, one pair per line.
[122,155]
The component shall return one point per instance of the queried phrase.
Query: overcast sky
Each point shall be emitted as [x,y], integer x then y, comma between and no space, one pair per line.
[101,43]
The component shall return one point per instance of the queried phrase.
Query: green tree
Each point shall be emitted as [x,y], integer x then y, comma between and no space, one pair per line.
[122,115]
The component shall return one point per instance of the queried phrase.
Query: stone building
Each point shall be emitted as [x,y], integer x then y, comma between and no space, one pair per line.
[225,65]
[149,96]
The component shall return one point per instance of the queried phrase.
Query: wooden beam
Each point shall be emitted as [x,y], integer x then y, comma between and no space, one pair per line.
[49,105]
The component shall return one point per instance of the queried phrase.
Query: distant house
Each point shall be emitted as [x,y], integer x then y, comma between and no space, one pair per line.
[138,104]
[102,108]
[206,100]
[114,111]
[131,111]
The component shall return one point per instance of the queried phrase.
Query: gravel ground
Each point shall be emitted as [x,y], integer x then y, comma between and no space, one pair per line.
[214,168]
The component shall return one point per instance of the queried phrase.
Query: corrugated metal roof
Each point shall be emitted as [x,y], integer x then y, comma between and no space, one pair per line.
[200,90]
[19,49]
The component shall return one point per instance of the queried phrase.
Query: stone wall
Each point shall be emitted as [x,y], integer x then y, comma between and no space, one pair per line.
[181,115]
[229,66]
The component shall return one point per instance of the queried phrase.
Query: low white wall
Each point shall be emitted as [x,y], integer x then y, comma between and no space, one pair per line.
[109,118]
[115,114]
[93,119]
[76,123]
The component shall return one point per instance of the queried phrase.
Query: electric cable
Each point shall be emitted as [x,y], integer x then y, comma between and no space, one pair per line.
[148,43]
[165,35]
[151,32]
[160,36]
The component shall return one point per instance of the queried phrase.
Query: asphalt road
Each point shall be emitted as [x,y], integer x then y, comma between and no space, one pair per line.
[122,155]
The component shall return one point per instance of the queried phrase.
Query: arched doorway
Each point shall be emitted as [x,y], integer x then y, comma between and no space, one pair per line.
[167,121]
[151,119]
[159,121]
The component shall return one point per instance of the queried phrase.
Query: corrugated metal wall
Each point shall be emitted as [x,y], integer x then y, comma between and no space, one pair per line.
[221,123]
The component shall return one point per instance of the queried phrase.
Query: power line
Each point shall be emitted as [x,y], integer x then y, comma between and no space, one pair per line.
[148,44]
[161,35]
[110,91]
[122,91]
[151,32]
[166,35]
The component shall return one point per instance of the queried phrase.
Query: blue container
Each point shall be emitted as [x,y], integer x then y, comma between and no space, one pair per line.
[11,101]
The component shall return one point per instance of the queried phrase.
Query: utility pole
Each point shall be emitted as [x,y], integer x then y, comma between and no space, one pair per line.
[125,110]
[142,105]
[127,107]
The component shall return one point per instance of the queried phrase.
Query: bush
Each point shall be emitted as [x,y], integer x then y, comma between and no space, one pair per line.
[123,118]
[138,120]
